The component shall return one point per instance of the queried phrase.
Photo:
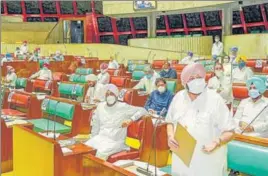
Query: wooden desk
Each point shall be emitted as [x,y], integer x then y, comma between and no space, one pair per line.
[7,146]
[22,68]
[41,156]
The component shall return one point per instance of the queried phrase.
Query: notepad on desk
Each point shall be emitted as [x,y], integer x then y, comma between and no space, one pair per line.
[66,150]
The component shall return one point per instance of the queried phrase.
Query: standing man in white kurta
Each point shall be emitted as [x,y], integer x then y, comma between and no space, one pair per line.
[203,113]
[103,76]
[110,122]
[217,47]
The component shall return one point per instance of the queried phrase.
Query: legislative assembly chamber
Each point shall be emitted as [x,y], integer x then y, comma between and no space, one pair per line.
[125,88]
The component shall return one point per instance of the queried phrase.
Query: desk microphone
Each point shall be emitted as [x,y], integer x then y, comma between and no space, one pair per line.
[153,144]
[254,119]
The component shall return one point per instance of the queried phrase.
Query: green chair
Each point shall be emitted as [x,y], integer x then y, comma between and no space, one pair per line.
[21,83]
[41,63]
[139,67]
[171,86]
[137,75]
[83,71]
[255,32]
[78,78]
[64,113]
[71,89]
[248,158]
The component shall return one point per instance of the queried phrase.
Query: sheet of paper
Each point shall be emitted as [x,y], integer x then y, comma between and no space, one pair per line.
[66,150]
[124,163]
[186,145]
[50,134]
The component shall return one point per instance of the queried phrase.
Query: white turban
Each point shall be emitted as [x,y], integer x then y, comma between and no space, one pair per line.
[91,77]
[112,88]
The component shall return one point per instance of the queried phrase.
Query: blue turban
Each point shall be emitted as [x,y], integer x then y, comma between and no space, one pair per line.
[190,53]
[8,55]
[214,57]
[234,49]
[259,83]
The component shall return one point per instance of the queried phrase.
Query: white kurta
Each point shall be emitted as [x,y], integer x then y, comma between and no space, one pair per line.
[223,83]
[113,65]
[205,118]
[241,76]
[103,78]
[43,74]
[217,48]
[5,60]
[107,135]
[147,84]
[96,93]
[247,111]
[12,79]
[188,60]
[24,49]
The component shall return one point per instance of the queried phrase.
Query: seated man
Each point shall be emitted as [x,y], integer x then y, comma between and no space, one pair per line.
[250,108]
[17,52]
[221,83]
[103,76]
[189,59]
[233,54]
[58,56]
[113,64]
[110,122]
[242,73]
[160,99]
[148,81]
[7,58]
[95,92]
[44,73]
[35,57]
[11,77]
[168,72]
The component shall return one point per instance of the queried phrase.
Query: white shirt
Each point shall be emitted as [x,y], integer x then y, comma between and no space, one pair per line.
[217,48]
[188,60]
[147,84]
[107,135]
[247,111]
[241,76]
[205,118]
[113,65]
[44,74]
[96,93]
[224,84]
[5,60]
[12,79]
[24,49]
[103,78]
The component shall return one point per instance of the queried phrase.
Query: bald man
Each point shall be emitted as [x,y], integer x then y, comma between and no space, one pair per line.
[110,122]
[206,117]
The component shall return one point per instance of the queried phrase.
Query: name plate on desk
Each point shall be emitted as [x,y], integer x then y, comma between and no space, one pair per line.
[122,94]
[258,64]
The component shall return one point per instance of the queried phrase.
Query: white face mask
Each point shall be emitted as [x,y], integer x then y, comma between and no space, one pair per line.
[161,89]
[110,100]
[197,86]
[219,73]
[103,71]
[217,40]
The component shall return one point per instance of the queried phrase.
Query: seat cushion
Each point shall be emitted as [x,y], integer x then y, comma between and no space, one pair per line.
[71,89]
[124,155]
[63,110]
[21,83]
[83,71]
[42,84]
[137,75]
[171,86]
[248,158]
[42,124]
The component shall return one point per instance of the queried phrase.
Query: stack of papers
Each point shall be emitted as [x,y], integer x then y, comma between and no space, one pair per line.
[68,142]
[16,122]
[66,150]
[50,134]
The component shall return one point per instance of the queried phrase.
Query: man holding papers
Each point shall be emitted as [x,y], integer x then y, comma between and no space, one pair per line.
[205,116]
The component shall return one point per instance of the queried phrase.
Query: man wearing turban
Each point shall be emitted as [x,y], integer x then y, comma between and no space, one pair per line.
[95,92]
[206,117]
[103,76]
[250,107]
[58,56]
[242,73]
[24,48]
[11,77]
[8,58]
[233,54]
[110,122]
[44,73]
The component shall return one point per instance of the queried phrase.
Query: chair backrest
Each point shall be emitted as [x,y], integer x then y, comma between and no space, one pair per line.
[178,67]
[209,75]
[62,110]
[21,83]
[140,67]
[72,89]
[119,81]
[158,64]
[137,75]
[240,156]
[78,78]
[19,100]
[135,131]
[126,95]
[172,86]
[239,93]
[42,85]
[83,71]
[265,69]
[58,76]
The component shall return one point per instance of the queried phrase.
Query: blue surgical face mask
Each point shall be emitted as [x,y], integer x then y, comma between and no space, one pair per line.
[254,93]
[149,76]
[241,65]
